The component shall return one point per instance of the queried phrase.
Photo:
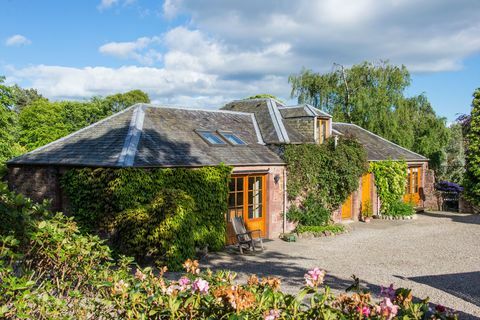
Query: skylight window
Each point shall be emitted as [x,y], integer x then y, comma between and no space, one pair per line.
[233,139]
[211,137]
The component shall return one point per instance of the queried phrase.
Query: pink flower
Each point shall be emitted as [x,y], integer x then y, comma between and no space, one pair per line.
[364,311]
[314,278]
[200,285]
[388,292]
[387,309]
[140,275]
[440,308]
[184,282]
[272,315]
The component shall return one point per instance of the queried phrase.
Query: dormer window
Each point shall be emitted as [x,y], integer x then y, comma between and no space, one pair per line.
[211,137]
[232,138]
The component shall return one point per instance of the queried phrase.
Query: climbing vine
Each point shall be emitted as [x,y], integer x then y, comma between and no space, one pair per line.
[390,179]
[323,175]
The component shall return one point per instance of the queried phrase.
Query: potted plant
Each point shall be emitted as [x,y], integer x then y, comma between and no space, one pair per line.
[367,211]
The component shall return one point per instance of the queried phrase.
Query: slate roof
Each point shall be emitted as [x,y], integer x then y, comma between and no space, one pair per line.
[151,136]
[269,117]
[377,147]
[302,110]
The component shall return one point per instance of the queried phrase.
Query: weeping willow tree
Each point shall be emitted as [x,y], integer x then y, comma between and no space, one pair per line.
[373,97]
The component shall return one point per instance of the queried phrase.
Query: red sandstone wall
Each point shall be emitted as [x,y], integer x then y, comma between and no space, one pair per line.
[37,183]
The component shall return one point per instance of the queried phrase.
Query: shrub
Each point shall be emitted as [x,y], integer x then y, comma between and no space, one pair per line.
[334,228]
[98,196]
[400,209]
[472,154]
[310,213]
[162,231]
[58,272]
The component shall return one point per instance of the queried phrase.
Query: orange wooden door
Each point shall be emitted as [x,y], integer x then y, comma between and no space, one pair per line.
[366,193]
[247,197]
[347,208]
[414,179]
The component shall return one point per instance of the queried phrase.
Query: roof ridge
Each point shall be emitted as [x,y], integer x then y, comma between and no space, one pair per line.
[258,99]
[148,105]
[75,132]
[382,138]
[130,145]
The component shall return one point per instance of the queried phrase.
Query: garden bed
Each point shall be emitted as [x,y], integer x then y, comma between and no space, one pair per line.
[308,232]
[385,217]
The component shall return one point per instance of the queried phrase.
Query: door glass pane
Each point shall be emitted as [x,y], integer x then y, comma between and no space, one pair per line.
[239,198]
[239,184]
[231,200]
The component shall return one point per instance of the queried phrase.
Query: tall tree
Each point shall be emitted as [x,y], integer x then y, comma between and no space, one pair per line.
[472,158]
[9,146]
[23,97]
[373,97]
[453,167]
[44,121]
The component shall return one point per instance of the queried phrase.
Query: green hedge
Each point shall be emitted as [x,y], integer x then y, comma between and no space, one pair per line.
[98,198]
[390,179]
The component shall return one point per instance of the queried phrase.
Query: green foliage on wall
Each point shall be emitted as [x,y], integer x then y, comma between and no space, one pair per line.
[162,231]
[472,169]
[323,175]
[99,197]
[390,179]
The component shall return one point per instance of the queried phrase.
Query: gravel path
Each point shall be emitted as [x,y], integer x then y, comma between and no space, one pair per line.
[437,255]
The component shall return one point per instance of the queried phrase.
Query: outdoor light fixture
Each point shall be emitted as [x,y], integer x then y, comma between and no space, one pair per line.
[276,178]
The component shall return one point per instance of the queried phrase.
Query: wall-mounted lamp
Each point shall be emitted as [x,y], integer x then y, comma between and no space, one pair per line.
[276,178]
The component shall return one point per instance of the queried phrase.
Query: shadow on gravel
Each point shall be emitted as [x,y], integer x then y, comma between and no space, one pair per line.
[455,217]
[465,286]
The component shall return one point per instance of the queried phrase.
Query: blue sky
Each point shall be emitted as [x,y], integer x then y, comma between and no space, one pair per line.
[205,53]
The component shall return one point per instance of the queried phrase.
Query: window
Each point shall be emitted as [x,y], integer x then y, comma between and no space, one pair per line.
[322,130]
[211,137]
[413,180]
[235,198]
[255,201]
[232,138]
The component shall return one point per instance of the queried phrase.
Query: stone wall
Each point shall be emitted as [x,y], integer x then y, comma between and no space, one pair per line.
[306,126]
[37,183]
[430,199]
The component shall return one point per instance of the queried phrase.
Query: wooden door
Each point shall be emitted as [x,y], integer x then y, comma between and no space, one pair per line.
[347,208]
[247,197]
[412,189]
[366,205]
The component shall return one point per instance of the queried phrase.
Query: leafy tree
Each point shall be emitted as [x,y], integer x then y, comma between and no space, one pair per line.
[453,167]
[8,126]
[44,121]
[23,97]
[373,97]
[120,101]
[472,158]
[263,96]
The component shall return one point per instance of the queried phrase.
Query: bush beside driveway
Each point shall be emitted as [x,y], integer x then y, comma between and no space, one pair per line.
[436,255]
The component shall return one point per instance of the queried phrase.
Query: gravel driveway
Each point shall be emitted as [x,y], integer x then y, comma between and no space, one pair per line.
[437,255]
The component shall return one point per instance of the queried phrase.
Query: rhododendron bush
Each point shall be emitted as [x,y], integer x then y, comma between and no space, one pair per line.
[49,270]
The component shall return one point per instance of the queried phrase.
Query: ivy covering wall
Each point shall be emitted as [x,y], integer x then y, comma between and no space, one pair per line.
[190,203]
[324,176]
[390,179]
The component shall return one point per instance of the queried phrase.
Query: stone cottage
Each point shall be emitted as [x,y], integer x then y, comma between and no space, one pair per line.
[244,134]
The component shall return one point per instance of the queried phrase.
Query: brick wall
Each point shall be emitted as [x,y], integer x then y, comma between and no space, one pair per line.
[37,183]
[430,199]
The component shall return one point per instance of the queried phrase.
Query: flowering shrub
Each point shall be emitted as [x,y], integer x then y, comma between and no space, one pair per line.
[448,187]
[53,271]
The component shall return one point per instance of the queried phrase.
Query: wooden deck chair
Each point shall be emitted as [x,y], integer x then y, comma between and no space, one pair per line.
[245,237]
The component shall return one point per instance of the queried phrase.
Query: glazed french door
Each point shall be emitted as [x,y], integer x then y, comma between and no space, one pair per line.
[246,199]
[412,187]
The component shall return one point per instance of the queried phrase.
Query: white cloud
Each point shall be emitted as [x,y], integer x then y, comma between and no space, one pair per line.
[17,40]
[228,50]
[427,36]
[137,50]
[106,4]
